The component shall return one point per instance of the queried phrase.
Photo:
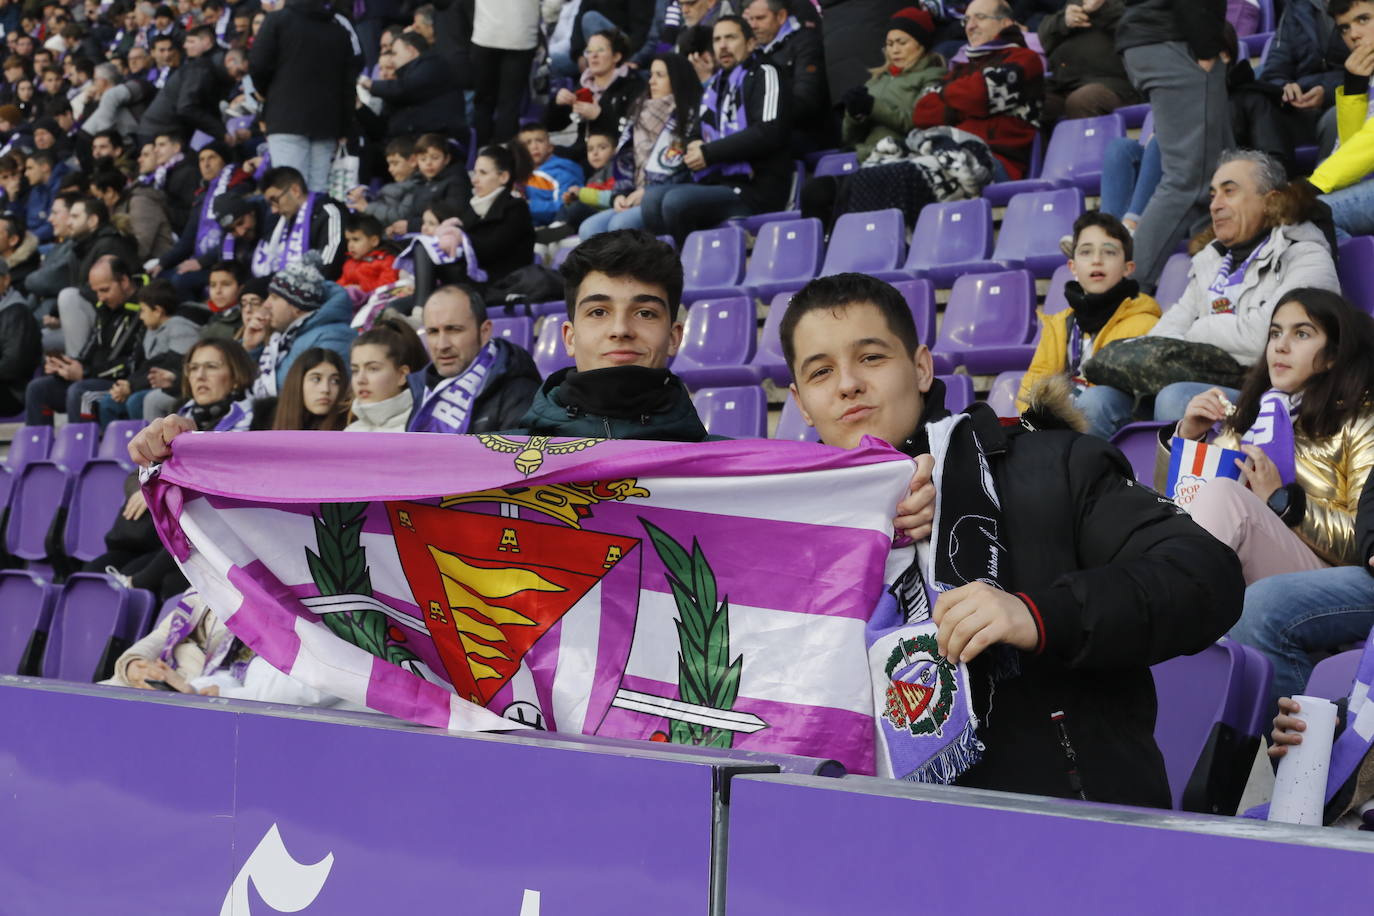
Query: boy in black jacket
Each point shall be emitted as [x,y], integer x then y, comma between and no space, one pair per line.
[1103,577]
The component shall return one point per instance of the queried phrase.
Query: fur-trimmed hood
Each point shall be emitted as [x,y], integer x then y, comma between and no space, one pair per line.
[1050,405]
[26,250]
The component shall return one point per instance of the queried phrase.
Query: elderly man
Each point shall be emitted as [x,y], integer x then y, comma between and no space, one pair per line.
[1247,260]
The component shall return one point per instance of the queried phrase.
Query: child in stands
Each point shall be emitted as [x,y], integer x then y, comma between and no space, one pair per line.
[581,201]
[370,263]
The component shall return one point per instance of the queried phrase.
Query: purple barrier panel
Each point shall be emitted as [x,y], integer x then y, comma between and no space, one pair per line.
[801,846]
[109,806]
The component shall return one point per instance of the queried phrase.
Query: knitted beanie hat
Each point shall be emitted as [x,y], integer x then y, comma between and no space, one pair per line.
[301,283]
[916,22]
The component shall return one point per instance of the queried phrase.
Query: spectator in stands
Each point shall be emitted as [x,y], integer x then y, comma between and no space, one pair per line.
[21,342]
[176,175]
[18,249]
[1319,369]
[92,238]
[108,101]
[227,279]
[623,291]
[166,59]
[307,312]
[1086,77]
[369,264]
[552,177]
[475,383]
[303,63]
[102,359]
[683,15]
[1093,579]
[380,365]
[582,200]
[1172,53]
[256,329]
[738,152]
[314,393]
[44,176]
[651,147]
[442,178]
[154,375]
[607,88]
[421,98]
[190,100]
[1105,305]
[798,54]
[177,659]
[505,34]
[1340,175]
[56,273]
[1292,617]
[395,201]
[1130,173]
[632,18]
[202,238]
[242,219]
[306,221]
[139,210]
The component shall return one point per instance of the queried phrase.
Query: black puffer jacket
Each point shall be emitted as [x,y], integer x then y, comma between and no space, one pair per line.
[422,99]
[303,63]
[1119,579]
[615,102]
[21,345]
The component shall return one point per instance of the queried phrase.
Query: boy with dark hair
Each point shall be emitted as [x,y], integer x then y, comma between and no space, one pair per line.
[1341,175]
[1105,305]
[442,179]
[225,287]
[598,192]
[395,200]
[1073,581]
[552,177]
[154,376]
[369,264]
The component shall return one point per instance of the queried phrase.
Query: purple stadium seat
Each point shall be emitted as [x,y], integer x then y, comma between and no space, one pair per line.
[1139,442]
[26,603]
[786,256]
[1333,677]
[837,164]
[1054,296]
[1000,192]
[958,392]
[114,442]
[1134,115]
[31,443]
[1259,683]
[920,298]
[1201,728]
[1002,397]
[75,444]
[1356,271]
[712,263]
[736,413]
[142,604]
[1032,227]
[989,323]
[526,309]
[871,242]
[717,344]
[768,361]
[519,331]
[1073,157]
[752,224]
[167,607]
[97,496]
[1173,280]
[90,628]
[949,240]
[549,353]
[1147,127]
[44,487]
[560,256]
[791,426]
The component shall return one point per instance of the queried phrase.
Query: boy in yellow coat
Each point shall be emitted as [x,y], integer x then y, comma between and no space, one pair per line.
[1105,304]
[1339,176]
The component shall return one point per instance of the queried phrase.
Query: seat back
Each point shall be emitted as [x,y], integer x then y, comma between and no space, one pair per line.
[75,444]
[1355,268]
[768,361]
[518,330]
[549,353]
[31,443]
[920,299]
[1139,442]
[97,496]
[1002,397]
[26,603]
[996,309]
[40,491]
[1054,296]
[1077,148]
[836,164]
[90,628]
[958,392]
[1333,677]
[786,251]
[951,233]
[738,412]
[114,443]
[1259,685]
[718,332]
[713,257]
[1200,727]
[1034,223]
[1173,280]
[866,242]
[791,426]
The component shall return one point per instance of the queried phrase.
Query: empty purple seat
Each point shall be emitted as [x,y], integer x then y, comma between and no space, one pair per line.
[26,603]
[97,496]
[791,426]
[949,240]
[90,628]
[768,361]
[1333,677]
[958,392]
[739,412]
[786,256]
[1031,229]
[1054,296]
[1139,442]
[1002,396]
[920,298]
[1134,115]
[989,324]
[142,605]
[718,341]
[114,443]
[712,263]
[519,331]
[1356,271]
[44,487]
[1074,155]
[837,164]
[75,444]
[31,443]
[999,192]
[871,242]
[550,354]
[1173,280]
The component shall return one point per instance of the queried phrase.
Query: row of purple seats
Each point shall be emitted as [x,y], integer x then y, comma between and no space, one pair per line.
[1073,159]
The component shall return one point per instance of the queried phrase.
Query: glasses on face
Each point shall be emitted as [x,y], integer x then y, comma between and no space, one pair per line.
[984,17]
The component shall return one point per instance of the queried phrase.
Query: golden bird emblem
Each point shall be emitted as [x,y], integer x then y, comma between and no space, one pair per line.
[529,455]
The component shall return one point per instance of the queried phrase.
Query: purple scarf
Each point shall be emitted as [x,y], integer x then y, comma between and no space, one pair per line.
[723,115]
[158,177]
[208,233]
[184,621]
[1228,278]
[1272,431]
[447,408]
[297,242]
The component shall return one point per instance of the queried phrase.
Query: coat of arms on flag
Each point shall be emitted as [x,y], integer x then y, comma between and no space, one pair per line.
[708,594]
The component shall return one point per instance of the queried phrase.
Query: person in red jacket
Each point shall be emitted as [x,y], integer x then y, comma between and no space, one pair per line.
[369,265]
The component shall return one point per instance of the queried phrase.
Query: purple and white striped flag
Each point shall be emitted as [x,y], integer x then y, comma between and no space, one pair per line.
[713,594]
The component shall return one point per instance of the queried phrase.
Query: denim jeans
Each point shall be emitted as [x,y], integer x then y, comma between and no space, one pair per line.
[679,209]
[307,155]
[1107,409]
[1130,173]
[609,219]
[1287,616]
[107,409]
[50,394]
[1172,401]
[1352,209]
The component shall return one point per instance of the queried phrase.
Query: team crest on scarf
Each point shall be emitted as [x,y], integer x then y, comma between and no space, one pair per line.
[923,687]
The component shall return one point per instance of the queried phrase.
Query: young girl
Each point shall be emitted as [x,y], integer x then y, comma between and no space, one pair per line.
[313,393]
[381,362]
[1305,421]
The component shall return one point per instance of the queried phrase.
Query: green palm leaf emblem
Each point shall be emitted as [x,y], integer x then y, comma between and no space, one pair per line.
[706,674]
[340,568]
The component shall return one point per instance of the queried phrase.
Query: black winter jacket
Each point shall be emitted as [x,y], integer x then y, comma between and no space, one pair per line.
[1118,579]
[326,235]
[763,143]
[21,345]
[800,59]
[615,103]
[303,63]
[573,403]
[105,240]
[450,186]
[1199,23]
[422,99]
[504,400]
[190,99]
[110,350]
[504,238]
[1081,56]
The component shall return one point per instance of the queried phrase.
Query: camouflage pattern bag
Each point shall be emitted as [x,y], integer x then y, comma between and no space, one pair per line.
[1144,365]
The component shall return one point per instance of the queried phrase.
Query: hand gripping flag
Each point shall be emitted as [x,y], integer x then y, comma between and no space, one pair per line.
[709,594]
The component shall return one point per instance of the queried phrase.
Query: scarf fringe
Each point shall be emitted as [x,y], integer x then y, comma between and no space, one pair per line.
[953,760]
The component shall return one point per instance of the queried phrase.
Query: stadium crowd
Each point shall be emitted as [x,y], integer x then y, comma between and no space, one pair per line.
[297,215]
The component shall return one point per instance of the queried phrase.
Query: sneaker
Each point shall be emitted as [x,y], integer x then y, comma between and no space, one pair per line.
[115,574]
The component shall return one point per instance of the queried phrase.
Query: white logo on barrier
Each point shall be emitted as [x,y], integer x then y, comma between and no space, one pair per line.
[284,884]
[529,906]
